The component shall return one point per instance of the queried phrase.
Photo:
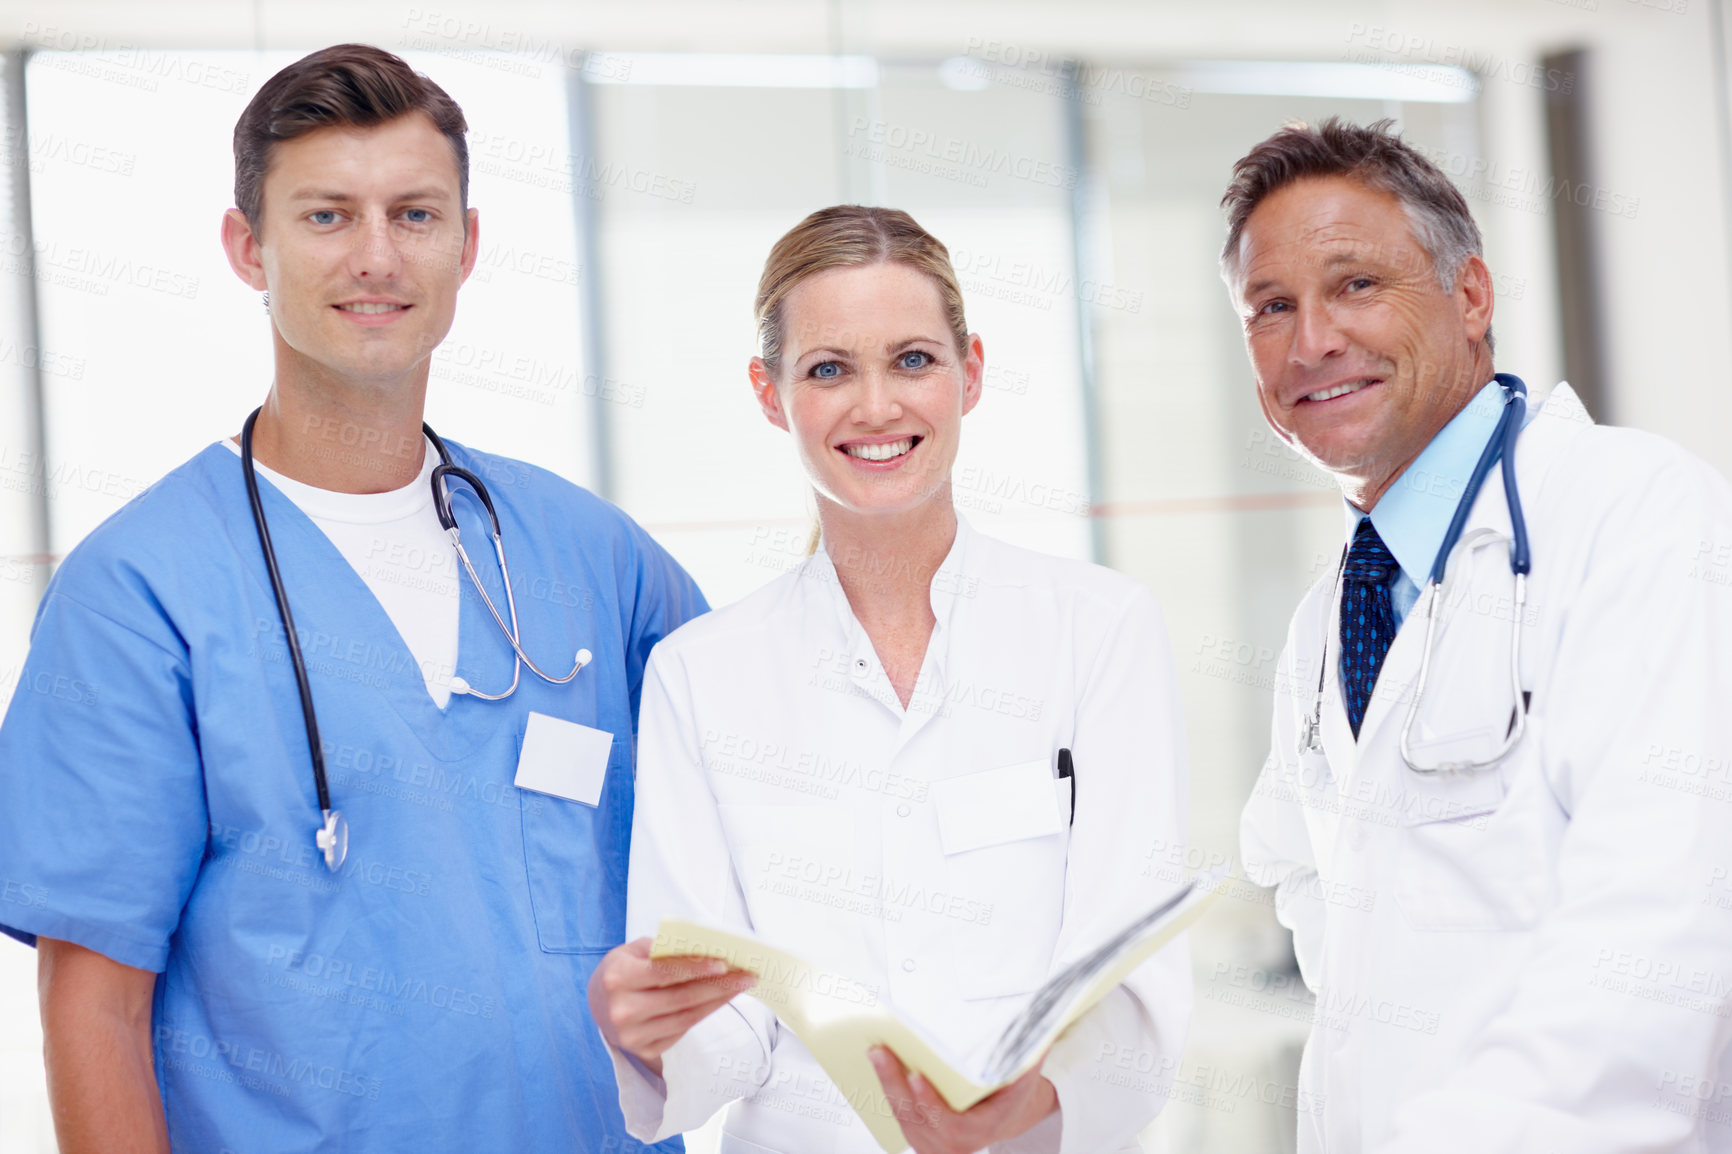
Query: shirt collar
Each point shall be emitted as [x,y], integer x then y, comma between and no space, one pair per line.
[1414,514]
[952,580]
[949,581]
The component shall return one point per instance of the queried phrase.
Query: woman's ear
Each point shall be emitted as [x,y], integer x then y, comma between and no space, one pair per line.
[973,372]
[764,388]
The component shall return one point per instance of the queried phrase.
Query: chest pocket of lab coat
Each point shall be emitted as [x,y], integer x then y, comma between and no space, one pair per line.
[1006,898]
[1468,861]
[797,867]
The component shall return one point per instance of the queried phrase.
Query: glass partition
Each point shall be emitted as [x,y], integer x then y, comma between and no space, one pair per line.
[626,206]
[725,170]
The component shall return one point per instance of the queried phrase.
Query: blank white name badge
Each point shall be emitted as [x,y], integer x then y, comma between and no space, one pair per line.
[996,806]
[564,759]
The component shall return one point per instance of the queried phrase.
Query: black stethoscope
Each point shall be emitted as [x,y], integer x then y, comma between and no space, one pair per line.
[1501,445]
[332,837]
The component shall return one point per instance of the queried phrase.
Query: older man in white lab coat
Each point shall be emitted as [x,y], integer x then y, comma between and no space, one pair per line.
[1534,955]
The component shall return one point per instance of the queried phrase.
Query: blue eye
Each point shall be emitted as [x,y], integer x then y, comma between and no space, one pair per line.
[418,216]
[826,370]
[1359,282]
[324,216]
[1272,306]
[915,359]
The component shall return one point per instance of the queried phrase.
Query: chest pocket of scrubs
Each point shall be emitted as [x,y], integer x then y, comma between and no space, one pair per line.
[1006,897]
[796,866]
[1469,861]
[576,855]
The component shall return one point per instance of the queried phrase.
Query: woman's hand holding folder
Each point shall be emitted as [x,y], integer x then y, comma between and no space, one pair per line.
[644,1005]
[932,1127]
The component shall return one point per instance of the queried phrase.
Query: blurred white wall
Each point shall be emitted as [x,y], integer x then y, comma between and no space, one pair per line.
[1189,492]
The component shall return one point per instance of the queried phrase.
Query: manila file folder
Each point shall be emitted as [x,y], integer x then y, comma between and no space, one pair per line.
[839,1018]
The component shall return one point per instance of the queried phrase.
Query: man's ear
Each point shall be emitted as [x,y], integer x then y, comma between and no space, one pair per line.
[471,242]
[764,389]
[1473,288]
[242,248]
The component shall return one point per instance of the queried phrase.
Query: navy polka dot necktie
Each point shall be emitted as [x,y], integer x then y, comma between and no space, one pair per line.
[1367,617]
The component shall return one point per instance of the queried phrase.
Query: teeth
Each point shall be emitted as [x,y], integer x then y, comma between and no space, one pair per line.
[882,452]
[1338,391]
[370,308]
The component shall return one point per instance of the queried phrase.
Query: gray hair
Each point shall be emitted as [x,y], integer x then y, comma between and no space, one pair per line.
[1376,157]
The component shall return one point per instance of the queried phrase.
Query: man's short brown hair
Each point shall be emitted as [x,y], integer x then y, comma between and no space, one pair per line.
[1374,156]
[353,85]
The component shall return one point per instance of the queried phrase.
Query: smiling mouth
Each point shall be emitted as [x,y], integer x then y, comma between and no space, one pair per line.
[372,308]
[1342,389]
[885,451]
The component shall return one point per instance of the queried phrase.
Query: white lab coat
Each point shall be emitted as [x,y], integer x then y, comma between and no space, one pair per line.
[1536,957]
[784,790]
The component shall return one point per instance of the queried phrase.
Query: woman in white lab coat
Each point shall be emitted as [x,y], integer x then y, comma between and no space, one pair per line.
[859,762]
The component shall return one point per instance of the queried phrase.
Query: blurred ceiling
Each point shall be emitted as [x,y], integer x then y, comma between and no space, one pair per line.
[1423,31]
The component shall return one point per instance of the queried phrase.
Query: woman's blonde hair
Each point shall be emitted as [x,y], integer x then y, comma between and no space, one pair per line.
[843,236]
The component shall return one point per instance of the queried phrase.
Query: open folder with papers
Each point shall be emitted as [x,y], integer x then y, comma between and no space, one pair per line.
[839,1018]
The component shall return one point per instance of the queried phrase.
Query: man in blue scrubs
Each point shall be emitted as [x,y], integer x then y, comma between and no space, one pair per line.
[208,983]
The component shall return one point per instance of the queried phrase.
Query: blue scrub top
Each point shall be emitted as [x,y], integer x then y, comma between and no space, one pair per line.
[157,805]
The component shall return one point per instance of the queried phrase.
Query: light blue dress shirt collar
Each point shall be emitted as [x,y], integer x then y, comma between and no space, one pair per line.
[1414,514]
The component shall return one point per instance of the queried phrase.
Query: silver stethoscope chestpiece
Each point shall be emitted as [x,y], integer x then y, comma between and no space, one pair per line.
[333,839]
